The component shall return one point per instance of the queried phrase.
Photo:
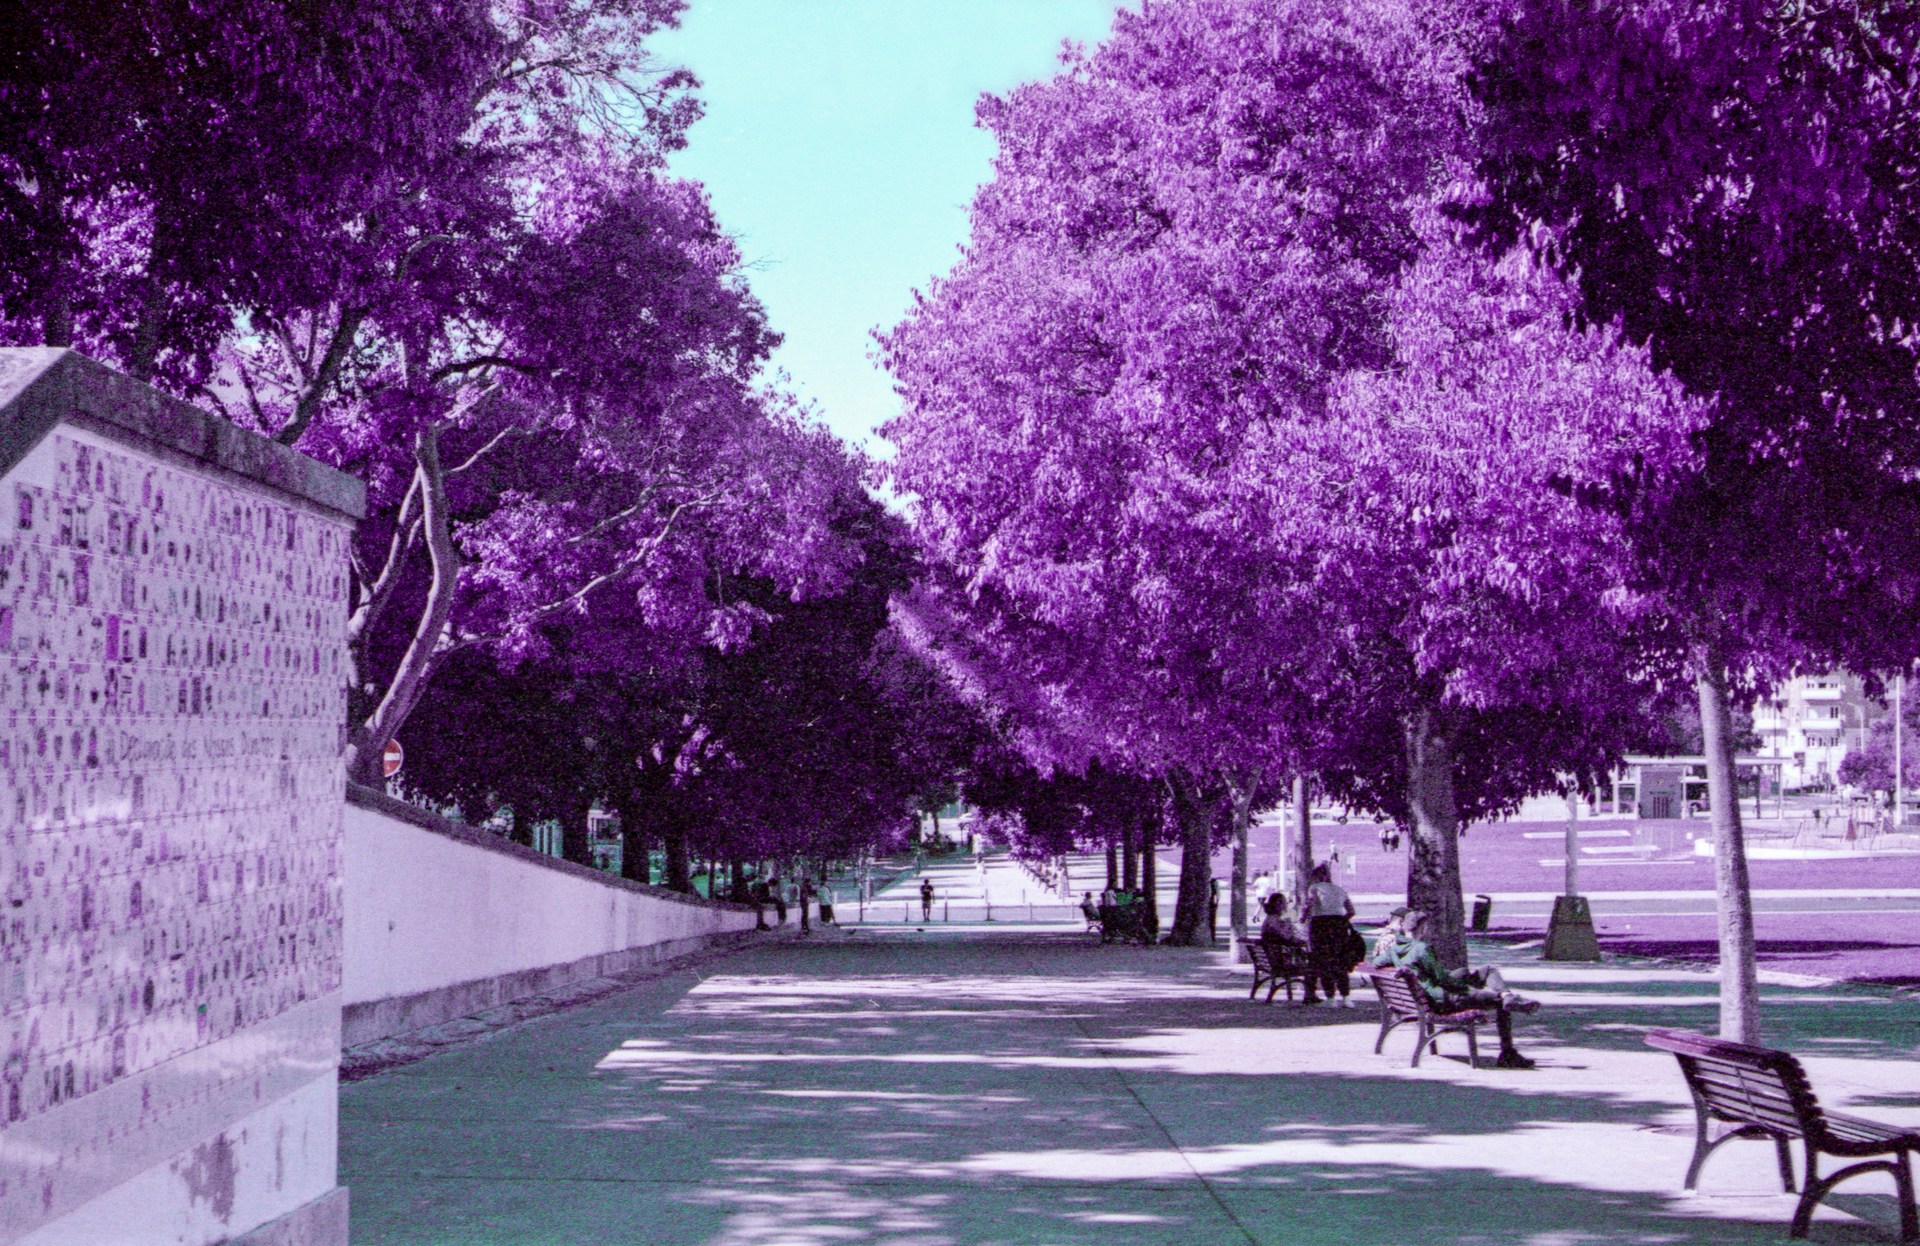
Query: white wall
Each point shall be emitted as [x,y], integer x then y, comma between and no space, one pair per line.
[432,909]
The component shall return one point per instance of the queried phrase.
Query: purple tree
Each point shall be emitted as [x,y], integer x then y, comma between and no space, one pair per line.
[1732,181]
[1210,298]
[1461,510]
[543,366]
[167,168]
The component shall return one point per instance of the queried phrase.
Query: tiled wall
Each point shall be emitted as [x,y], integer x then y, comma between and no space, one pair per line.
[172,681]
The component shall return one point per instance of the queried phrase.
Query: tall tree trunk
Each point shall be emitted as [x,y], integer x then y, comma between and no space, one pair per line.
[1433,854]
[1113,864]
[1300,844]
[634,866]
[1150,867]
[736,879]
[1240,791]
[679,869]
[56,323]
[409,681]
[576,844]
[1129,862]
[1195,816]
[1739,981]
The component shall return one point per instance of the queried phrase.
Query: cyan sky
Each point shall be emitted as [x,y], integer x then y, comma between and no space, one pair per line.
[839,147]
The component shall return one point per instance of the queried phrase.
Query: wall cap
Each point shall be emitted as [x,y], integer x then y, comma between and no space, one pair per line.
[375,801]
[44,386]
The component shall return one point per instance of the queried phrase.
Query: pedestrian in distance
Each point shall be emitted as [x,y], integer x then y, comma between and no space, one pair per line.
[778,890]
[761,897]
[1213,910]
[926,899]
[826,907]
[806,905]
[1334,948]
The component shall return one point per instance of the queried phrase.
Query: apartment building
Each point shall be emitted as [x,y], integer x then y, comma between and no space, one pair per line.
[1811,723]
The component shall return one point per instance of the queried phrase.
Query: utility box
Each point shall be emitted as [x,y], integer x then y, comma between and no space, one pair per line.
[1482,912]
[1570,934]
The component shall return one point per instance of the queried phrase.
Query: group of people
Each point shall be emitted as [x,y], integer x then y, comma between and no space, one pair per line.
[1332,945]
[780,894]
[1334,949]
[1123,915]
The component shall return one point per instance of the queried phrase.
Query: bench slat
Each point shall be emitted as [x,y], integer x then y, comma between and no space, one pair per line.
[1854,1129]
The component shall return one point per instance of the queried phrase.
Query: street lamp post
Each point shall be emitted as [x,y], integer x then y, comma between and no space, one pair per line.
[1899,775]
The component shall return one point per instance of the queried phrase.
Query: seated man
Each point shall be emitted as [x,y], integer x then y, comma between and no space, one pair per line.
[1090,910]
[1403,948]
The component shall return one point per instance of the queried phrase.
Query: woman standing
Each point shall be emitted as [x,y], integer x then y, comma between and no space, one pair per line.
[1329,913]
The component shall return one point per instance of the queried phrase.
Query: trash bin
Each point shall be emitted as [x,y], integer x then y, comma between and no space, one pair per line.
[1482,911]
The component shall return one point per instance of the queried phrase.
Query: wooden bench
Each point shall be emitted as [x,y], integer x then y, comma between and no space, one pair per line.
[1402,1001]
[1762,1093]
[1291,969]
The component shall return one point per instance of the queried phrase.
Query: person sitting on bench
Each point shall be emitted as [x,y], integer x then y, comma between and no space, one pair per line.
[1450,991]
[1279,933]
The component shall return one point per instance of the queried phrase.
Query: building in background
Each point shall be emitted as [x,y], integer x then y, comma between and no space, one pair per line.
[1810,724]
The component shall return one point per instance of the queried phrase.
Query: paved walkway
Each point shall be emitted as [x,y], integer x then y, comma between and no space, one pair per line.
[935,1089]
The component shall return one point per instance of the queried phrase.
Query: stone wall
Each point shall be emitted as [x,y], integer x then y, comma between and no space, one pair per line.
[172,703]
[444,921]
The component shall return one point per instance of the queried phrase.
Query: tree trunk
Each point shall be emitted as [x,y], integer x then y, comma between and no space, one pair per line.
[56,325]
[576,844]
[1300,845]
[1150,868]
[634,866]
[1240,791]
[1129,863]
[1739,983]
[409,680]
[1195,818]
[679,870]
[520,830]
[1113,865]
[1433,853]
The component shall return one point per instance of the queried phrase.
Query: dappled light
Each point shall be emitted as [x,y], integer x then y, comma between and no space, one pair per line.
[1043,1090]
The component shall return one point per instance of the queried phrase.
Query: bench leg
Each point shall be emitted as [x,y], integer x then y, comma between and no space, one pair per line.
[1387,1022]
[1473,1049]
[1785,1157]
[1909,1214]
[1256,988]
[1420,1042]
[1702,1148]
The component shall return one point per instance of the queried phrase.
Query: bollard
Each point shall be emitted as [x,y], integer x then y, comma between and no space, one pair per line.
[1482,911]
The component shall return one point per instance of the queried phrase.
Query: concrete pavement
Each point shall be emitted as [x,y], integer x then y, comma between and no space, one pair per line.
[925,1089]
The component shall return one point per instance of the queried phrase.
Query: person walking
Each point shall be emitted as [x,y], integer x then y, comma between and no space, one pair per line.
[1330,938]
[761,898]
[926,899]
[806,905]
[778,890]
[826,906]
